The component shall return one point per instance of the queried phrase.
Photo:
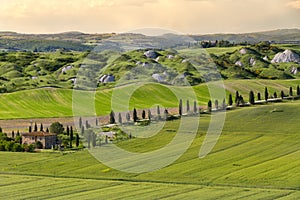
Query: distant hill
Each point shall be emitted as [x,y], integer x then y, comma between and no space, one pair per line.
[285,36]
[77,41]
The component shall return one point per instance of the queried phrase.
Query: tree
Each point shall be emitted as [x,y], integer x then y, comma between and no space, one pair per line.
[68,131]
[237,95]
[224,104]
[240,100]
[77,140]
[230,102]
[195,107]
[291,91]
[87,125]
[128,117]
[166,114]
[94,139]
[18,133]
[216,104]
[144,114]
[275,95]
[13,134]
[57,128]
[47,130]
[187,106]
[89,139]
[158,113]
[158,110]
[149,115]
[282,94]
[266,94]
[71,137]
[180,107]
[135,117]
[209,106]
[35,127]
[0,130]
[251,97]
[41,127]
[258,96]
[120,118]
[80,122]
[29,129]
[97,123]
[112,117]
[82,130]
[298,90]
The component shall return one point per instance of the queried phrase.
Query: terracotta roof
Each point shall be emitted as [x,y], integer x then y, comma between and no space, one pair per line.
[39,133]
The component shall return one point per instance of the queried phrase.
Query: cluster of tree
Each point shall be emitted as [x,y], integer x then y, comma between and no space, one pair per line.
[239,100]
[217,43]
[14,143]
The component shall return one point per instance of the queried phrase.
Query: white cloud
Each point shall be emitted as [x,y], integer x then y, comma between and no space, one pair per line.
[294,4]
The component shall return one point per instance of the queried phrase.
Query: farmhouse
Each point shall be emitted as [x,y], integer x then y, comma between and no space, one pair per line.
[46,139]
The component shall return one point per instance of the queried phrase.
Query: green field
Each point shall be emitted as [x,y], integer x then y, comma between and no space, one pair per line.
[256,157]
[32,103]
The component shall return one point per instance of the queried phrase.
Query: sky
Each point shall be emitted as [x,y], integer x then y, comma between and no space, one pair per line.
[181,16]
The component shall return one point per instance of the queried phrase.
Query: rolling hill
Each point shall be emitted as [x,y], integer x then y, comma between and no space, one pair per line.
[256,157]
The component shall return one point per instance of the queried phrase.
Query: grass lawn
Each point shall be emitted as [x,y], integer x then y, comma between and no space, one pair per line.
[256,157]
[32,103]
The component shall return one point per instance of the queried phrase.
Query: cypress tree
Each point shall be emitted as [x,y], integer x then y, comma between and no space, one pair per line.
[298,90]
[77,140]
[275,95]
[149,115]
[0,130]
[89,140]
[97,123]
[258,96]
[29,129]
[251,97]
[128,117]
[18,133]
[158,110]
[47,130]
[180,107]
[68,131]
[266,94]
[209,106]
[112,118]
[144,114]
[158,113]
[187,106]
[291,91]
[195,107]
[80,122]
[135,117]
[41,128]
[166,114]
[237,95]
[216,104]
[224,104]
[71,137]
[94,138]
[230,102]
[120,118]
[82,130]
[87,125]
[13,134]
[35,127]
[282,94]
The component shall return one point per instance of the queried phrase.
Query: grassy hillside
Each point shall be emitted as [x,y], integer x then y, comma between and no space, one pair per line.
[256,157]
[32,103]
